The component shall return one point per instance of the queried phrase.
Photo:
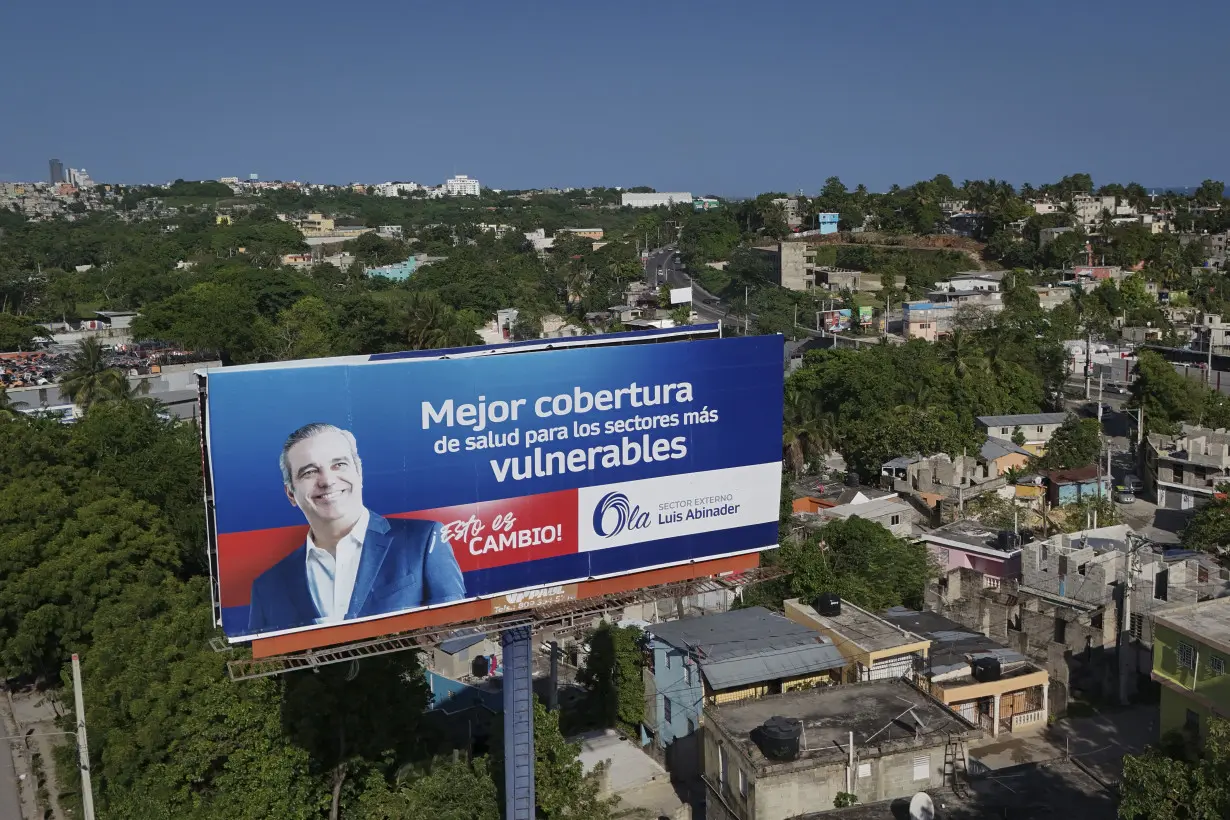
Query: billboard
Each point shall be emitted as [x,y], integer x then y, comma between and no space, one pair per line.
[351,490]
[865,316]
[836,321]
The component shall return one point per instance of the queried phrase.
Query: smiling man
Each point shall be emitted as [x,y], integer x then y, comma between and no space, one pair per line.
[354,563]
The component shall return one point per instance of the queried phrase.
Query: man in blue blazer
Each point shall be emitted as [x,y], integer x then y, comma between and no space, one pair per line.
[354,563]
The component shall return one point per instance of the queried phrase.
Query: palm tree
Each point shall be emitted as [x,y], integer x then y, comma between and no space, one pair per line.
[90,380]
[1106,226]
[431,324]
[807,432]
[9,408]
[962,354]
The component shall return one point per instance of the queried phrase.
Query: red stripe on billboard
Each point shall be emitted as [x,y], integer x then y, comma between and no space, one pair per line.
[244,555]
[512,531]
[484,535]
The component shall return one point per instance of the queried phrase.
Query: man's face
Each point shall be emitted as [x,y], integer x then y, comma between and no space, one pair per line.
[325,481]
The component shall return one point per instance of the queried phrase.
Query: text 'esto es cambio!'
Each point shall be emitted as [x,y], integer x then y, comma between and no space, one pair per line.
[557,418]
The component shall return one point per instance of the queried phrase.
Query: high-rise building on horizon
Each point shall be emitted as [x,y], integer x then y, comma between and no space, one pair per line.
[57,171]
[79,178]
[462,185]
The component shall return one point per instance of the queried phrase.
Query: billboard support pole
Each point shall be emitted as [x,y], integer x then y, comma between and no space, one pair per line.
[519,802]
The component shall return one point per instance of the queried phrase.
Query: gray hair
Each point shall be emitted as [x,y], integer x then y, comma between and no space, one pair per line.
[306,432]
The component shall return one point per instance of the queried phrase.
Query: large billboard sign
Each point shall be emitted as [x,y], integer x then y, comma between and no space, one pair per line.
[350,490]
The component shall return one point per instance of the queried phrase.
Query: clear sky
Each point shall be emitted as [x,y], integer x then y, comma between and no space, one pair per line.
[720,97]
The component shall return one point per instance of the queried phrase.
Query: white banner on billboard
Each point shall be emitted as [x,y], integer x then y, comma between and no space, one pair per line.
[651,509]
[681,295]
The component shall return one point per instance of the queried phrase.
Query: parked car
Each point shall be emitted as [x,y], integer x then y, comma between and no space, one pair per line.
[1133,483]
[1123,495]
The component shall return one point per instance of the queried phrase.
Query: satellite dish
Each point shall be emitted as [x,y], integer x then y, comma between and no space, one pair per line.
[921,807]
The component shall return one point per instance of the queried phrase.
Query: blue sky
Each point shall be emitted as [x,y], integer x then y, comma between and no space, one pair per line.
[718,97]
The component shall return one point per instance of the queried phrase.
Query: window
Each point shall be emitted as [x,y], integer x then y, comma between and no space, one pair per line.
[922,767]
[1061,630]
[1039,428]
[668,659]
[1202,574]
[1186,654]
[666,709]
[1191,721]
[864,770]
[1096,621]
[742,783]
[896,519]
[1217,665]
[721,766]
[687,672]
[1137,625]
[691,726]
[1003,431]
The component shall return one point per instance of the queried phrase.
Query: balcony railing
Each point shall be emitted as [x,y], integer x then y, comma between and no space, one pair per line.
[1023,720]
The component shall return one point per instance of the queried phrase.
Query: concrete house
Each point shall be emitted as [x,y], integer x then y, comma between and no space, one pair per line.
[730,656]
[874,649]
[900,741]
[1037,428]
[1183,471]
[1013,697]
[1076,485]
[894,514]
[1191,646]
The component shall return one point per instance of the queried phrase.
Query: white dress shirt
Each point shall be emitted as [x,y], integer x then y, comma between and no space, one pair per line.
[331,576]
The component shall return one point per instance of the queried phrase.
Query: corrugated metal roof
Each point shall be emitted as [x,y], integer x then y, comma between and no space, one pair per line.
[462,639]
[746,646]
[1022,419]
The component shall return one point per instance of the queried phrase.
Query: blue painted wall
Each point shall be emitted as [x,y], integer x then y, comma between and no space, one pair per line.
[676,677]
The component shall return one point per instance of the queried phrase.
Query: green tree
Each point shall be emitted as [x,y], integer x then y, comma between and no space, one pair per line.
[1208,529]
[445,791]
[1077,443]
[1167,397]
[612,676]
[562,787]
[353,719]
[430,323]
[1175,782]
[528,326]
[210,316]
[305,330]
[19,332]
[862,562]
[90,380]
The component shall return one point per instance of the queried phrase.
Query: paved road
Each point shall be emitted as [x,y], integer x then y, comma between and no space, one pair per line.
[10,799]
[662,269]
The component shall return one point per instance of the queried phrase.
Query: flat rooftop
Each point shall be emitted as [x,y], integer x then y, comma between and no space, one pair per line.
[968,533]
[1032,790]
[879,713]
[870,632]
[1208,621]
[952,645]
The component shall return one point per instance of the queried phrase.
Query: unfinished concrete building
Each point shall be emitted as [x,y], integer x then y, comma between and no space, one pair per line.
[1066,610]
[1184,470]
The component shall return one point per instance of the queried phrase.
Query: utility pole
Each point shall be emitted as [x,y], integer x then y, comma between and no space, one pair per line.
[83,744]
[1088,363]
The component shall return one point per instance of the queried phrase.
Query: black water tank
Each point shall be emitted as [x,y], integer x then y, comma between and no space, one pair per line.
[828,604]
[986,669]
[1008,540]
[779,738]
[480,667]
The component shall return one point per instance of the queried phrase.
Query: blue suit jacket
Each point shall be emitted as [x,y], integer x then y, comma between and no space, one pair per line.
[405,563]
